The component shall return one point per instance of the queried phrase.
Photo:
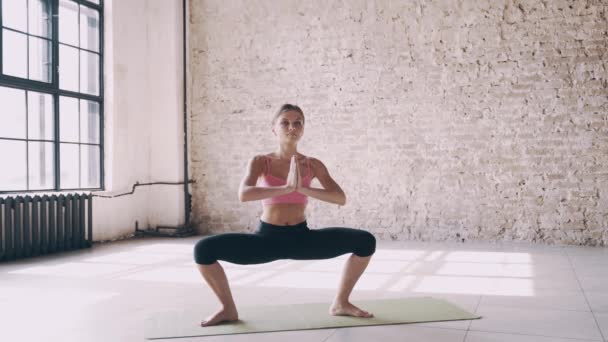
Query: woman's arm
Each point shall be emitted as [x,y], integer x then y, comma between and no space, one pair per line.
[331,191]
[248,191]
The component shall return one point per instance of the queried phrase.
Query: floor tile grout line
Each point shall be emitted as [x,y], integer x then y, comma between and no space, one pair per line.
[597,324]
[330,335]
[535,308]
[536,335]
[471,321]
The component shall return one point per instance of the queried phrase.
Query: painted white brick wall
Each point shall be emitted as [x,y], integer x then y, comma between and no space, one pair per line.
[442,120]
[143,117]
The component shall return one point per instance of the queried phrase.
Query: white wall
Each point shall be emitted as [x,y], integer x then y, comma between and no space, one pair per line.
[143,117]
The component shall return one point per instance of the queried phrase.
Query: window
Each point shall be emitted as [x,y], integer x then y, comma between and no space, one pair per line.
[51,95]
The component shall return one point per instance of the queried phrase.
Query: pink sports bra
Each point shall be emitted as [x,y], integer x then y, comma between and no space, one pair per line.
[268,179]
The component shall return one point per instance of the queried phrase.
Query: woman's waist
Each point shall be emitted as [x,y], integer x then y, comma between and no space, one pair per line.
[284,214]
[267,228]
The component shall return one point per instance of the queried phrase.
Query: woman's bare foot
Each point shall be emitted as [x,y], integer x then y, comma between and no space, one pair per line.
[222,315]
[348,309]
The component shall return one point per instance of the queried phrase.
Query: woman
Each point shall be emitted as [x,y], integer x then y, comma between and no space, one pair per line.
[282,181]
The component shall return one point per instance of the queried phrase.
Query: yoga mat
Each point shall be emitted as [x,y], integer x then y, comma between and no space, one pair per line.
[186,323]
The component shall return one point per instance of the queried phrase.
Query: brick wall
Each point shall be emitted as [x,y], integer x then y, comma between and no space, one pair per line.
[442,120]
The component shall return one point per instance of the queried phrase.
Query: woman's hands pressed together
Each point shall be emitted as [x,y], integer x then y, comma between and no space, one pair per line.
[294,178]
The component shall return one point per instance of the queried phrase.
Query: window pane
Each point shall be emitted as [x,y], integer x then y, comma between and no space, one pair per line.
[89,73]
[41,175]
[89,28]
[40,59]
[90,166]
[17,19]
[69,166]
[68,68]
[68,119]
[14,53]
[40,116]
[89,122]
[68,22]
[13,172]
[12,113]
[40,18]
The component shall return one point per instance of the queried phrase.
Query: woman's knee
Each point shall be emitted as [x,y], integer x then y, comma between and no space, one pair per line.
[367,244]
[204,251]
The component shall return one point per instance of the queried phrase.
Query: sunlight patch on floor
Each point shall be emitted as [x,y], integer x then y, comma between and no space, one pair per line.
[75,269]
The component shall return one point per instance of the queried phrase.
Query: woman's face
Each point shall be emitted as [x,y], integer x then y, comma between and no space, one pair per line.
[289,126]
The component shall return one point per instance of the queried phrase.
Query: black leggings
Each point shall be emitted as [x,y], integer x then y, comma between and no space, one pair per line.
[272,242]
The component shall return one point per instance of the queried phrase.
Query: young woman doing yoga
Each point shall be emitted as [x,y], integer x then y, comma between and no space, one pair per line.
[281,179]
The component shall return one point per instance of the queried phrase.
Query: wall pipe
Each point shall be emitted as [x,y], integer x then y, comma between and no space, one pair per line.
[185,98]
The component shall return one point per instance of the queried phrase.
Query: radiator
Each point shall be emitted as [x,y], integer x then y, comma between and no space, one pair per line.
[31,226]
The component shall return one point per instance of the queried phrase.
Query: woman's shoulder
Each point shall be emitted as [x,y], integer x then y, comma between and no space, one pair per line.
[305,157]
[259,157]
[265,156]
[314,161]
[258,160]
[258,164]
[316,165]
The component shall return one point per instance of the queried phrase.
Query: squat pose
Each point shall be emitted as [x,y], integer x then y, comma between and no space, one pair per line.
[281,179]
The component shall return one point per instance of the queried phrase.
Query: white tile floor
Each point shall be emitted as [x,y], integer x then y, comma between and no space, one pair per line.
[524,292]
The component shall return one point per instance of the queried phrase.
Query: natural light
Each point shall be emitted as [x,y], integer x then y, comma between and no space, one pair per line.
[417,271]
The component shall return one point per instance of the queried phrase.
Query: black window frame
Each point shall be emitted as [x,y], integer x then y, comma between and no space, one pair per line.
[53,89]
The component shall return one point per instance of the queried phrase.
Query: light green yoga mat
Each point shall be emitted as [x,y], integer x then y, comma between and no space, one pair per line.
[186,323]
